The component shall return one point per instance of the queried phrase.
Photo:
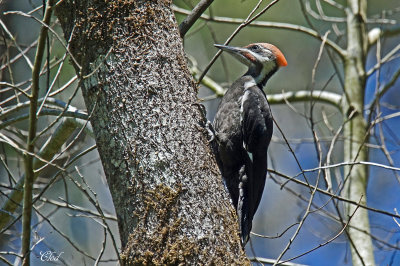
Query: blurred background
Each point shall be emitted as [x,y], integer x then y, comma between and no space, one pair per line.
[78,231]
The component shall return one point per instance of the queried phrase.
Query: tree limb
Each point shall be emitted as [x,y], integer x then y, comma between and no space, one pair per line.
[188,22]
[28,184]
[302,96]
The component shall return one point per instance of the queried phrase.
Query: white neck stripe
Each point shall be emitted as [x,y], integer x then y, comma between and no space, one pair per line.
[249,84]
[267,68]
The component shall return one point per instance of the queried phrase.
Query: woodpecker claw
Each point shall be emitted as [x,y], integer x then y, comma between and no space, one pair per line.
[208,126]
[210,131]
[201,107]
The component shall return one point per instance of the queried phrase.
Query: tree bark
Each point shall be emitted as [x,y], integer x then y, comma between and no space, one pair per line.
[149,129]
[355,132]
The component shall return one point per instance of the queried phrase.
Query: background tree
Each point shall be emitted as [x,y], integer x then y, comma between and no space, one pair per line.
[335,110]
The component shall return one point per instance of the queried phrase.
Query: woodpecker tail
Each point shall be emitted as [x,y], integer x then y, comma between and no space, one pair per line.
[244,206]
[252,177]
[259,169]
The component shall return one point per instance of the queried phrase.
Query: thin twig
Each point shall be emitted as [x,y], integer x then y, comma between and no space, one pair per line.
[23,53]
[330,240]
[342,199]
[302,221]
[266,24]
[46,25]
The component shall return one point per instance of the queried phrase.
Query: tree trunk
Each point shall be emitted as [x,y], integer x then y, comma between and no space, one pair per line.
[356,176]
[149,129]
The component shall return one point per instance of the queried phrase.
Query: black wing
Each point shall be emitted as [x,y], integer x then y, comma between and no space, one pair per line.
[256,128]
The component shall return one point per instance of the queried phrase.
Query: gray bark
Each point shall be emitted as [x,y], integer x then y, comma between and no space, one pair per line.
[166,187]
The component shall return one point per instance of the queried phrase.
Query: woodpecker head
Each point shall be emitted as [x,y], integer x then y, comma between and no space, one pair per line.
[263,59]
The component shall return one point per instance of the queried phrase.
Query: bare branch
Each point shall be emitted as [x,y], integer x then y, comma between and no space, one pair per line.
[206,81]
[19,55]
[272,261]
[188,22]
[46,25]
[29,174]
[302,96]
[349,163]
[335,4]
[342,199]
[59,137]
[277,235]
[330,240]
[64,204]
[15,87]
[302,221]
[55,77]
[267,24]
[388,57]
[321,15]
[383,90]
[51,101]
[28,61]
[391,32]
[397,222]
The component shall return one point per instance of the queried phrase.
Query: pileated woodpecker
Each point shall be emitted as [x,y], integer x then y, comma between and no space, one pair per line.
[243,130]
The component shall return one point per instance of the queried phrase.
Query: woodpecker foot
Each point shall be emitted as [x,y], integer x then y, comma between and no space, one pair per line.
[208,126]
[210,131]
[202,109]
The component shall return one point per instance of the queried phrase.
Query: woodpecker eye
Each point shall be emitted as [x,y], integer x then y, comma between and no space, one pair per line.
[255,47]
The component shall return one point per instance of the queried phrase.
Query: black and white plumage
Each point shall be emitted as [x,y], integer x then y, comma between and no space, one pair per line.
[243,130]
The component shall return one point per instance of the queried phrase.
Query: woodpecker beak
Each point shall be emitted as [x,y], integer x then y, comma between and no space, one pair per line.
[230,49]
[242,54]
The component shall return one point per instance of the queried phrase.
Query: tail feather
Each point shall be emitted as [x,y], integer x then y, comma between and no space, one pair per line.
[259,167]
[252,177]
